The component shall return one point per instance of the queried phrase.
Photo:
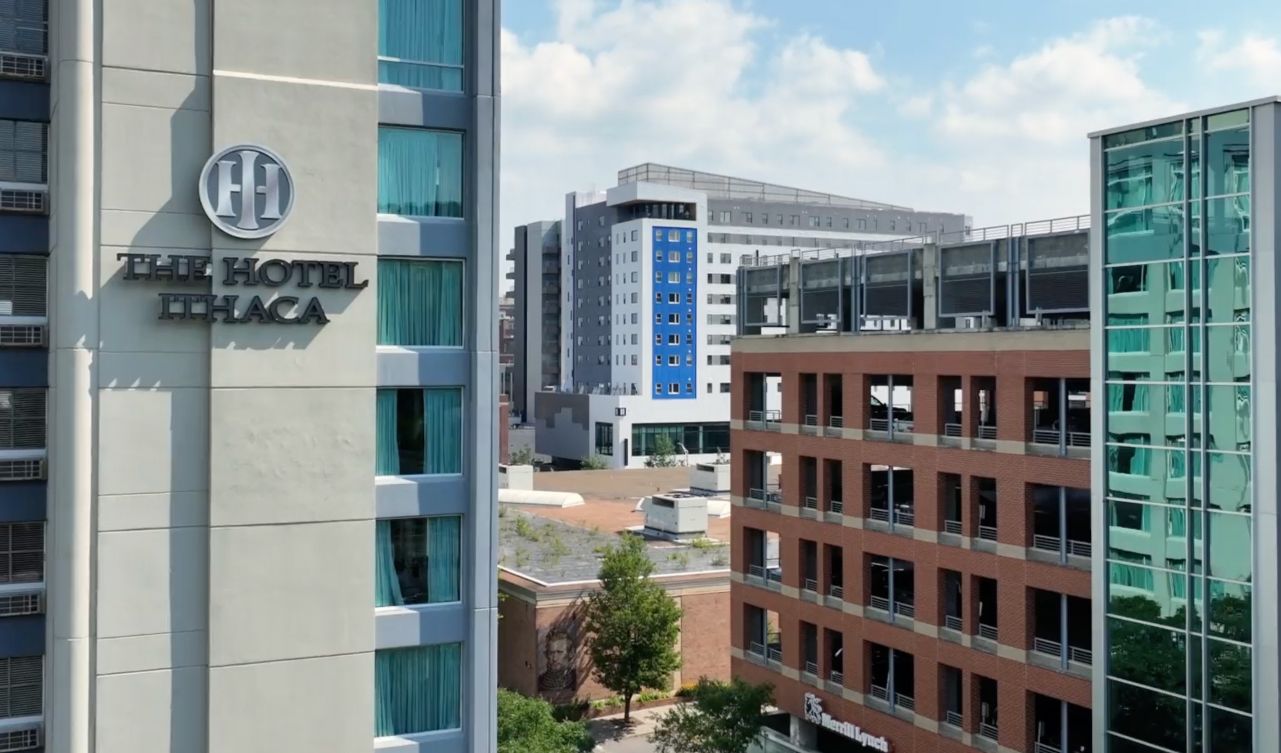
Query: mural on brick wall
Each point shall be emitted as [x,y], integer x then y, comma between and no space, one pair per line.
[557,659]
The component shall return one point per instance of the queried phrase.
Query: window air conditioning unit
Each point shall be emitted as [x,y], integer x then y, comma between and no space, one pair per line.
[23,66]
[22,470]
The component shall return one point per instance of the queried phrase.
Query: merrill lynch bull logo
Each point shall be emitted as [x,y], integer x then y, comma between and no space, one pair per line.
[247,191]
[815,715]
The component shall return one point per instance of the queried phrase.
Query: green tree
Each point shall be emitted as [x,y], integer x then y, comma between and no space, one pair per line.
[594,463]
[633,624]
[526,725]
[719,718]
[663,453]
[522,456]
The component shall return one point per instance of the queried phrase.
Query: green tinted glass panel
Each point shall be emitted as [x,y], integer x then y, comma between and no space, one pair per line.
[1230,119]
[1146,715]
[1227,162]
[1232,733]
[1227,415]
[1144,174]
[1194,162]
[1227,226]
[1133,592]
[1147,654]
[1228,295]
[1229,675]
[1130,340]
[1151,234]
[1230,610]
[1144,473]
[1230,482]
[1137,291]
[1230,549]
[1139,135]
[1229,349]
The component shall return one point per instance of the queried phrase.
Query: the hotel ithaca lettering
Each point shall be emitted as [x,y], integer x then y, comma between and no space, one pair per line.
[246,272]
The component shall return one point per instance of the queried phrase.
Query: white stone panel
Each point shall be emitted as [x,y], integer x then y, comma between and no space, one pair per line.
[152,712]
[153,441]
[152,581]
[152,157]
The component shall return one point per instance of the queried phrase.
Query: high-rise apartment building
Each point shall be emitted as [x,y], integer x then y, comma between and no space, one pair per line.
[644,308]
[1184,282]
[912,532]
[535,259]
[248,366]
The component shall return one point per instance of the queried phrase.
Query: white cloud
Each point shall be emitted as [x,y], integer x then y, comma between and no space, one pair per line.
[1255,55]
[709,84]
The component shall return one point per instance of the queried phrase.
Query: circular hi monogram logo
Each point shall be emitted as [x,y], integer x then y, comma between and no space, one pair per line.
[247,191]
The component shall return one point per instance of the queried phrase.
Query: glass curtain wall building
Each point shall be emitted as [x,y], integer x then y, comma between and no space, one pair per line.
[1185,485]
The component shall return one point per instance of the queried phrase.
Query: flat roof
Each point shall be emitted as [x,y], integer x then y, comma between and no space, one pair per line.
[1193,114]
[729,187]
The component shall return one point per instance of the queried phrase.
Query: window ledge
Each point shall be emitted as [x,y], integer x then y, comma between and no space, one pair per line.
[445,739]
[418,219]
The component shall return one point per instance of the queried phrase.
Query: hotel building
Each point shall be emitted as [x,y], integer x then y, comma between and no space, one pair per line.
[931,588]
[248,354]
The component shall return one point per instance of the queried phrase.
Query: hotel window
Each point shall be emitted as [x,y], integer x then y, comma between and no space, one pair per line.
[420,172]
[674,388]
[673,339]
[674,277]
[674,257]
[418,560]
[22,419]
[673,360]
[21,552]
[604,439]
[658,359]
[420,303]
[673,297]
[23,148]
[674,236]
[420,43]
[21,689]
[674,318]
[658,388]
[419,431]
[418,689]
[747,217]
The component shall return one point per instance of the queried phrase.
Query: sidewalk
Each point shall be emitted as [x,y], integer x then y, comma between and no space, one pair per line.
[610,728]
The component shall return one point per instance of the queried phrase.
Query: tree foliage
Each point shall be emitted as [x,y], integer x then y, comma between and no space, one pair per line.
[522,456]
[663,453]
[526,725]
[633,624]
[719,718]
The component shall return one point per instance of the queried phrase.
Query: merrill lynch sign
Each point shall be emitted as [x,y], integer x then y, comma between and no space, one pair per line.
[814,714]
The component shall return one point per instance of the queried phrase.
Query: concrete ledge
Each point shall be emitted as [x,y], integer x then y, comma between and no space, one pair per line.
[852,695]
[926,723]
[1011,551]
[852,521]
[924,628]
[852,608]
[1011,653]
[926,535]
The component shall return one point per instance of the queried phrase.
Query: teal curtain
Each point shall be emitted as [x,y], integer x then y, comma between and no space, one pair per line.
[444,430]
[420,172]
[443,539]
[426,38]
[386,582]
[418,689]
[420,302]
[387,449]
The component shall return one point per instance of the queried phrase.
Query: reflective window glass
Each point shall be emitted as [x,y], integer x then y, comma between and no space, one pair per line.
[1227,162]
[1229,348]
[1230,610]
[1233,733]
[1154,656]
[1229,675]
[1227,415]
[1228,296]
[1147,715]
[1133,593]
[1136,292]
[1228,226]
[1230,549]
[1144,234]
[1144,174]
[1130,340]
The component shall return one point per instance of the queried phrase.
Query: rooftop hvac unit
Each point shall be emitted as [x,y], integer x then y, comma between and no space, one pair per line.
[967,280]
[887,285]
[677,514]
[1058,273]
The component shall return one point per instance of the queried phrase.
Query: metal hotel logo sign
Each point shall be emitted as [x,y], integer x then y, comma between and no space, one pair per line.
[814,714]
[247,191]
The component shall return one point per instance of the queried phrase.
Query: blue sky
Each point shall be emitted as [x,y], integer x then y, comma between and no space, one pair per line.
[979,107]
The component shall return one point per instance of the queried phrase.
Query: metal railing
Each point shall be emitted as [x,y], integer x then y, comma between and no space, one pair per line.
[905,701]
[836,422]
[953,526]
[988,731]
[775,654]
[1055,437]
[836,506]
[836,592]
[1056,544]
[878,424]
[768,496]
[1047,646]
[879,513]
[836,677]
[879,602]
[810,584]
[905,426]
[1078,439]
[905,610]
[810,503]
[811,668]
[1080,655]
[987,631]
[987,432]
[756,571]
[987,532]
[1079,548]
[952,622]
[905,518]
[764,416]
[1046,748]
[954,718]
[756,649]
[774,574]
[811,419]
[952,430]
[880,693]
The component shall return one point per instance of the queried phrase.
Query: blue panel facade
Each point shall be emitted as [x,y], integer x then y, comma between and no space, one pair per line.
[23,501]
[22,636]
[24,368]
[24,234]
[24,100]
[675,313]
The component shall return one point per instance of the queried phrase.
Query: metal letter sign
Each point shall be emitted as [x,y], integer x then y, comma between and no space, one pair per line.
[247,191]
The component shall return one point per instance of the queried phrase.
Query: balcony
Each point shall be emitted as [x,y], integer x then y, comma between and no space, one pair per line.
[987,632]
[890,408]
[765,420]
[892,588]
[1062,632]
[1061,526]
[835,426]
[809,424]
[1061,417]
[1057,545]
[1055,649]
